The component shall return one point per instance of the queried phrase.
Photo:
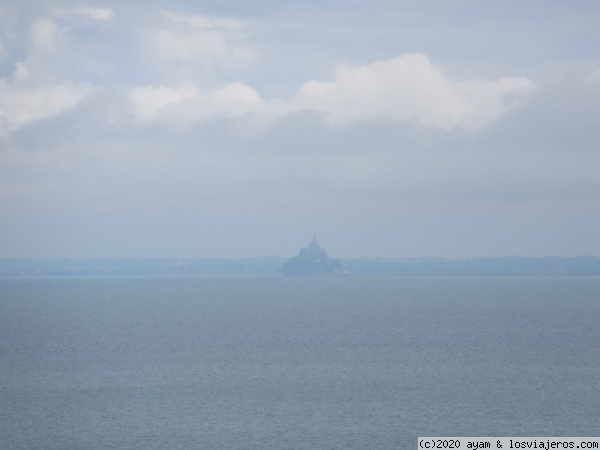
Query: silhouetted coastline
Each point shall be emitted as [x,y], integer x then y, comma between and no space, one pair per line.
[274,265]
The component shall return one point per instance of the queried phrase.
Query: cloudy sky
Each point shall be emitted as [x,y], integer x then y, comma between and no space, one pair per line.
[234,128]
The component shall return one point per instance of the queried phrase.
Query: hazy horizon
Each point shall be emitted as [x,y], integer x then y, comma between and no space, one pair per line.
[392,129]
[284,257]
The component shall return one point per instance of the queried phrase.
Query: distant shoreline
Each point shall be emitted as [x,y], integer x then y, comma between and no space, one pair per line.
[264,266]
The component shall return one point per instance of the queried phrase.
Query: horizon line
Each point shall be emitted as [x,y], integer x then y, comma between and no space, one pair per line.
[192,258]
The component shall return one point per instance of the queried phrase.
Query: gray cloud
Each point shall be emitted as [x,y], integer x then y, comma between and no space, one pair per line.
[243,146]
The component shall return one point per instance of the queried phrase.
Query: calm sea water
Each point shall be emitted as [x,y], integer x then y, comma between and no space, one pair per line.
[296,363]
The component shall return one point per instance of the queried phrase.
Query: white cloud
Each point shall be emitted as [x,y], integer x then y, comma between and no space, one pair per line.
[190,46]
[195,47]
[148,100]
[83,13]
[101,14]
[406,88]
[45,57]
[21,72]
[45,34]
[187,103]
[20,106]
[198,21]
[490,99]
[235,92]
[410,87]
[59,48]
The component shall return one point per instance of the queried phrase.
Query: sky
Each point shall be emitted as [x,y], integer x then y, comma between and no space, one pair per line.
[231,129]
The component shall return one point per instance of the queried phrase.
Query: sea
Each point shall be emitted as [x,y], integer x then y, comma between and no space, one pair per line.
[346,362]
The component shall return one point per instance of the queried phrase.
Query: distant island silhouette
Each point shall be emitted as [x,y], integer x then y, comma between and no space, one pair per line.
[312,260]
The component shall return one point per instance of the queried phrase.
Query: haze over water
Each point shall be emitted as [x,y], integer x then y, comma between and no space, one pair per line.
[310,362]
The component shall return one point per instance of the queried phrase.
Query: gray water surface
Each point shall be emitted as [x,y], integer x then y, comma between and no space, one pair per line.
[296,363]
